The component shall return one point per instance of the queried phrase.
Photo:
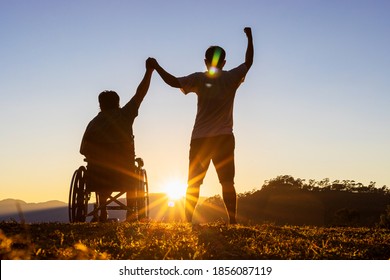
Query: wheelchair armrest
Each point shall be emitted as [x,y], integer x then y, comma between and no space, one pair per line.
[139,161]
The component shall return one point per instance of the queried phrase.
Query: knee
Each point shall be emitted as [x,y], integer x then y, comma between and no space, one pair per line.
[193,189]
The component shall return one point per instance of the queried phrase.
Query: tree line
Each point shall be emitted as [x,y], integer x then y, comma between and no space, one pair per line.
[294,201]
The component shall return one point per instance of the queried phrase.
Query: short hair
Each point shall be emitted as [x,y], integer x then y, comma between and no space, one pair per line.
[108,100]
[213,50]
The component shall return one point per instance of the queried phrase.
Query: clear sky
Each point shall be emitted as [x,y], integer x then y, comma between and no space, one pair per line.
[315,104]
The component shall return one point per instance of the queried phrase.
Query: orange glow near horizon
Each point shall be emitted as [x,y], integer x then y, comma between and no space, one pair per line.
[174,190]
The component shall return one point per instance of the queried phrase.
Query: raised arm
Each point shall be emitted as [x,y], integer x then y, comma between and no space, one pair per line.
[167,77]
[249,50]
[143,87]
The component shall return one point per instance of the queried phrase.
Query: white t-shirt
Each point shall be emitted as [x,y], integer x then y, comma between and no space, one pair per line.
[215,100]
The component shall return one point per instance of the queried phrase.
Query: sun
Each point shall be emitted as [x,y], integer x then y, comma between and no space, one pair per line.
[175,190]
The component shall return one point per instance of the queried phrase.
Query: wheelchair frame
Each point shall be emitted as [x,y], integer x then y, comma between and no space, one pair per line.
[79,196]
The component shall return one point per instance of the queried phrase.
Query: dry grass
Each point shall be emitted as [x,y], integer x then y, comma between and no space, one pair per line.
[153,240]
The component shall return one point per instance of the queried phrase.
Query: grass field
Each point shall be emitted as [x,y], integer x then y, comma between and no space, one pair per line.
[153,240]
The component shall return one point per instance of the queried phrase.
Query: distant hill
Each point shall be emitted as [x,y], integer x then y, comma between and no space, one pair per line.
[50,211]
[11,205]
[288,201]
[283,200]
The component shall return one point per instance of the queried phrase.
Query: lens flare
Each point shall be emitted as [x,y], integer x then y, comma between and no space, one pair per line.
[216,56]
[214,62]
[213,70]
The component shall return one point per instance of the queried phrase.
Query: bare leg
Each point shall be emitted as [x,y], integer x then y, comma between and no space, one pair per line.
[192,197]
[230,199]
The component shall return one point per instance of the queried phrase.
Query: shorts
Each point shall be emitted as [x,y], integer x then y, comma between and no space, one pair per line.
[219,149]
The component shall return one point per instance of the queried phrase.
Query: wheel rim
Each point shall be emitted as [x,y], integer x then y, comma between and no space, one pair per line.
[143,196]
[78,201]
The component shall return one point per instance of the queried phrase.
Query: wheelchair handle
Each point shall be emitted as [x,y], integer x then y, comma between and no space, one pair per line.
[140,162]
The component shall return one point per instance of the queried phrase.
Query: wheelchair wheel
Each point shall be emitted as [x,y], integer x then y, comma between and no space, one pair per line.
[142,193]
[78,197]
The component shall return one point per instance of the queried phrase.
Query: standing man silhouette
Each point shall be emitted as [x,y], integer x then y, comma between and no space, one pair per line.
[212,136]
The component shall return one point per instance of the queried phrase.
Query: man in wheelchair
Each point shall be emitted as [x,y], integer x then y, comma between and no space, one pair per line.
[108,146]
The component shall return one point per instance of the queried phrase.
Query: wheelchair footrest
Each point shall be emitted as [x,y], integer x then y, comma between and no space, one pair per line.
[116,208]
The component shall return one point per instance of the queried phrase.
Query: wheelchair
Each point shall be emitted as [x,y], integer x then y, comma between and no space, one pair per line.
[81,192]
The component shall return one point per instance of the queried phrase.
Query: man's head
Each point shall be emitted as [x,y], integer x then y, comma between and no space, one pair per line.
[215,58]
[108,100]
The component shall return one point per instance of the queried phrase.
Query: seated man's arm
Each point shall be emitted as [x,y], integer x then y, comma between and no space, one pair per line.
[143,87]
